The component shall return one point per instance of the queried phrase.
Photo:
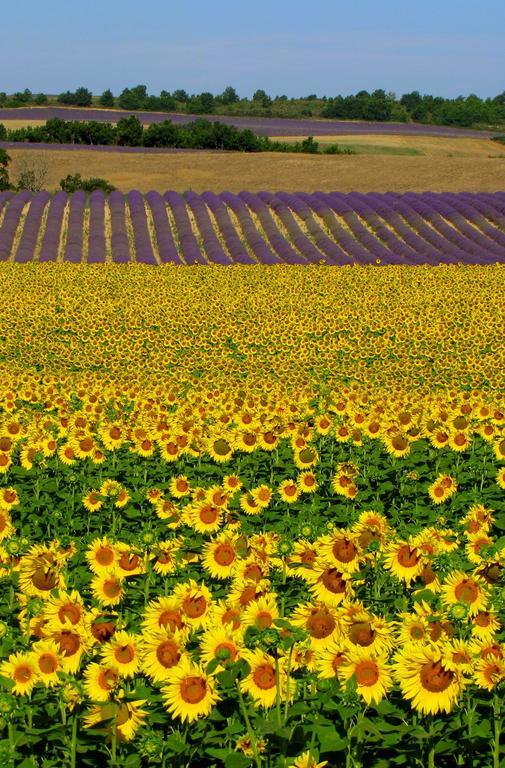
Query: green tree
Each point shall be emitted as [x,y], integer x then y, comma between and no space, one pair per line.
[229,96]
[40,99]
[180,95]
[107,98]
[4,172]
[129,132]
[83,97]
[262,97]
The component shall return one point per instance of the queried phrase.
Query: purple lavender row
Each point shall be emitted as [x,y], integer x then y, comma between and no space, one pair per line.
[74,243]
[391,240]
[297,237]
[487,207]
[425,252]
[190,249]
[332,251]
[120,245]
[275,238]
[96,238]
[4,198]
[255,241]
[228,232]
[51,240]
[144,253]
[10,223]
[211,244]
[165,241]
[31,230]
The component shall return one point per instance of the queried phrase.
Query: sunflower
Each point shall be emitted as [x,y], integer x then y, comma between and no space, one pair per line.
[499,448]
[122,652]
[219,556]
[232,483]
[396,445]
[195,601]
[72,643]
[179,487]
[6,528]
[341,549]
[308,760]
[458,654]
[218,496]
[66,454]
[364,630]
[319,621]
[40,572]
[166,560]
[168,511]
[261,613]
[101,556]
[425,681]
[100,681]
[262,495]
[476,542]
[126,717]
[226,615]
[265,683]
[289,491]
[485,625]
[461,588]
[404,560]
[46,658]
[489,672]
[92,501]
[371,673]
[330,657]
[306,457]
[328,584]
[21,669]
[500,477]
[129,562]
[9,498]
[189,692]
[442,488]
[220,643]
[459,441]
[413,629]
[249,505]
[252,569]
[203,517]
[161,650]
[307,482]
[220,448]
[164,612]
[301,559]
[107,588]
[64,609]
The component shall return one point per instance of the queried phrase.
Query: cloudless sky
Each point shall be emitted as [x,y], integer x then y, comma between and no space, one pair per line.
[292,47]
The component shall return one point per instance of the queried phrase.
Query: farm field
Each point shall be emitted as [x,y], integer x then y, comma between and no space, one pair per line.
[263,228]
[261,125]
[292,557]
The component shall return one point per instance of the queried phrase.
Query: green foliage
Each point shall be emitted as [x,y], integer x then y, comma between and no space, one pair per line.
[82,97]
[4,173]
[129,132]
[107,98]
[72,183]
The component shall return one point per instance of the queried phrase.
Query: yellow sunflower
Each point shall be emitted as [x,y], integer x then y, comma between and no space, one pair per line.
[189,693]
[220,556]
[330,657]
[371,673]
[404,560]
[462,588]
[220,643]
[425,681]
[161,650]
[126,717]
[195,601]
[319,620]
[123,651]
[265,683]
[100,681]
[341,548]
[260,613]
[164,612]
[308,760]
[101,556]
[21,669]
[45,655]
[107,588]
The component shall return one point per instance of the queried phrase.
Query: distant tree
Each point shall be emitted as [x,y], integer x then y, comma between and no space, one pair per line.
[3,132]
[180,95]
[3,98]
[133,98]
[23,97]
[4,173]
[229,96]
[107,98]
[40,99]
[129,132]
[32,175]
[203,104]
[72,183]
[83,97]
[164,134]
[262,97]
[167,102]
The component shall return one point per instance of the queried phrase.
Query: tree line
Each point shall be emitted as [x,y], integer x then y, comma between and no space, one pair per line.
[129,132]
[378,105]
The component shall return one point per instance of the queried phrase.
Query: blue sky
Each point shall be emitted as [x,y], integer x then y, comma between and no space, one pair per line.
[445,47]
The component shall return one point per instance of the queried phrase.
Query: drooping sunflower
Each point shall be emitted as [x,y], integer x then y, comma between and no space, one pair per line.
[123,651]
[40,571]
[226,615]
[459,587]
[130,562]
[100,681]
[166,556]
[425,681]
[161,650]
[265,682]
[371,672]
[458,654]
[125,716]
[189,692]
[21,669]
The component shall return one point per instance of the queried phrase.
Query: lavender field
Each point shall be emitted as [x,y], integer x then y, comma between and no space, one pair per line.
[337,229]
[263,126]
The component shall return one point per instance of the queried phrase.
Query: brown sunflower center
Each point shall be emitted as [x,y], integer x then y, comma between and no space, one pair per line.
[483,619]
[168,654]
[194,606]
[69,642]
[193,689]
[333,581]
[466,591]
[171,619]
[209,514]
[48,663]
[222,447]
[231,616]
[224,554]
[124,654]
[264,619]
[111,588]
[129,561]
[107,679]
[44,579]
[69,611]
[361,633]
[344,550]
[264,676]
[407,557]
[367,673]
[320,623]
[104,556]
[23,673]
[435,678]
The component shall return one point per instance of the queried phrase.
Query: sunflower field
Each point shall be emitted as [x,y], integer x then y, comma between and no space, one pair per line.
[252,517]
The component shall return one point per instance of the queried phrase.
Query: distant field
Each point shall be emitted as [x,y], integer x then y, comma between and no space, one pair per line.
[202,170]
[266,126]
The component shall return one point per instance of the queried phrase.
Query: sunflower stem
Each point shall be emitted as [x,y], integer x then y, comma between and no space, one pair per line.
[73,742]
[250,731]
[113,755]
[12,744]
[497,730]
[431,743]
